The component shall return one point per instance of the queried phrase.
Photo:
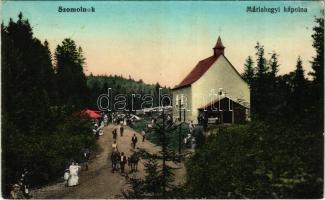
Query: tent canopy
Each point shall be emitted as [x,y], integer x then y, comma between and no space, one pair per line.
[91,113]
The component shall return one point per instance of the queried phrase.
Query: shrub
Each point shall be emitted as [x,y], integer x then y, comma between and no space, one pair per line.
[45,155]
[257,160]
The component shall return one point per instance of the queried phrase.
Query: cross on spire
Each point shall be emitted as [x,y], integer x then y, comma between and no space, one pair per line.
[220,30]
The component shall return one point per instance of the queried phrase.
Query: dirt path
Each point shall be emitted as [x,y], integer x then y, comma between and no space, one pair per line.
[99,181]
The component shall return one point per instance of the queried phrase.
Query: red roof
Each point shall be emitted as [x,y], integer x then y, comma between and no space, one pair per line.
[202,66]
[198,71]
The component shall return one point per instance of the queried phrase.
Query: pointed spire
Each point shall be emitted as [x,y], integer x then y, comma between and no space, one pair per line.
[219,48]
[219,43]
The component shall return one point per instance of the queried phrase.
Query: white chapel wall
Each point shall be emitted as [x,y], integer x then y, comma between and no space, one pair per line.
[219,75]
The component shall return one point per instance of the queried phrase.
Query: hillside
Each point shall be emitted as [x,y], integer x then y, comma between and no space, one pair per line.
[99,84]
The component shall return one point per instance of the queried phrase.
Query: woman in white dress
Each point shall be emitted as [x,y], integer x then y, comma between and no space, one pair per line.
[74,178]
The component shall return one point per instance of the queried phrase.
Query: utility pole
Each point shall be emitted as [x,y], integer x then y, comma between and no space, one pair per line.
[220,110]
[184,114]
[180,128]
[180,110]
[164,153]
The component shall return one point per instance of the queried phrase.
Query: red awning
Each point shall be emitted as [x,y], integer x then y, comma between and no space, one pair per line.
[91,113]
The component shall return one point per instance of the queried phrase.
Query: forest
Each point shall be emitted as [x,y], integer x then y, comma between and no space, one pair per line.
[127,87]
[41,92]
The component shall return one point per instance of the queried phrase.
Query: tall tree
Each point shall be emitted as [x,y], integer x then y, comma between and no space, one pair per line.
[299,89]
[272,90]
[318,71]
[318,60]
[71,79]
[261,67]
[299,78]
[27,74]
[158,182]
[152,181]
[260,84]
[274,65]
[316,110]
[249,72]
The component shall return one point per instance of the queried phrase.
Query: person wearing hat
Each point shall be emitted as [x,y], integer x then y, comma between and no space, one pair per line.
[16,192]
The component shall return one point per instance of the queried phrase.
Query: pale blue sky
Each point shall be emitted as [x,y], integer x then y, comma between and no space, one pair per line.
[162,41]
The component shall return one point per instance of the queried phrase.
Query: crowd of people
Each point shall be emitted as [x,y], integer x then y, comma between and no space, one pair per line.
[119,159]
[20,190]
[99,124]
[71,174]
[125,119]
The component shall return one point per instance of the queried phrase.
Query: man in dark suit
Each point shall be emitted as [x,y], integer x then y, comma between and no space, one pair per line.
[114,133]
[121,130]
[123,160]
[134,140]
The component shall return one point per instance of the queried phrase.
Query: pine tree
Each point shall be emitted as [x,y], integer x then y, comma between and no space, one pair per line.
[152,181]
[167,175]
[299,79]
[318,73]
[71,79]
[136,190]
[272,91]
[274,66]
[315,115]
[261,66]
[260,86]
[249,72]
[158,182]
[27,75]
[318,60]
[299,89]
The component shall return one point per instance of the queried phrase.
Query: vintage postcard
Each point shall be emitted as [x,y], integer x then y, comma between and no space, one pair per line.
[162,99]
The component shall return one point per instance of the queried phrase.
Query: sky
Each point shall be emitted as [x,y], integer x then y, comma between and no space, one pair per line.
[162,41]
